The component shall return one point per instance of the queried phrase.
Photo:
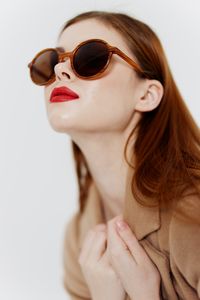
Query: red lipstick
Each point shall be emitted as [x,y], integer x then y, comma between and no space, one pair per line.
[62,94]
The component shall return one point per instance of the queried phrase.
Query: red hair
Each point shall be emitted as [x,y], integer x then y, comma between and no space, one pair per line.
[167,147]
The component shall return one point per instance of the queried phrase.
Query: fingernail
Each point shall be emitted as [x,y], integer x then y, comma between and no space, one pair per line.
[121,225]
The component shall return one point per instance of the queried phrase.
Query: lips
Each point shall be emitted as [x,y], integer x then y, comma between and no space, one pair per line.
[62,94]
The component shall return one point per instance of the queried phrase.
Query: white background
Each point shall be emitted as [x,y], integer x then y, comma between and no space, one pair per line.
[38,190]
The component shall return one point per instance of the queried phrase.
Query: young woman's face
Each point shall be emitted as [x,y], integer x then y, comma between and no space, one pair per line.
[104,104]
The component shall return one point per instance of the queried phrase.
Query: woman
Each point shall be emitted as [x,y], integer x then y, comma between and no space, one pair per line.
[137,154]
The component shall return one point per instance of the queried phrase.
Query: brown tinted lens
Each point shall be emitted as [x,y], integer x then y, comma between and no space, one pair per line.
[91,58]
[43,67]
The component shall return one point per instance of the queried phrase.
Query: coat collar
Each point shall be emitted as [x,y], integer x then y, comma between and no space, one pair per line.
[142,220]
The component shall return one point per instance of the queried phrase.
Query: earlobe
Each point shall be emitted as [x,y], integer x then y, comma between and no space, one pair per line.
[151,97]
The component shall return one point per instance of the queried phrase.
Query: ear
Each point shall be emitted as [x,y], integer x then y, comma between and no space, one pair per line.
[151,95]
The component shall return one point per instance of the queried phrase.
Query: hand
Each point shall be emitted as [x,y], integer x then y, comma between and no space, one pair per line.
[103,282]
[138,274]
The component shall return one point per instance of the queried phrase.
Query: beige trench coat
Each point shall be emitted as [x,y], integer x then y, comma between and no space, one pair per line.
[172,243]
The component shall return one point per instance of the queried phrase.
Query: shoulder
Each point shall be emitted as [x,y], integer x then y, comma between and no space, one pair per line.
[185,221]
[184,238]
[73,279]
[71,243]
[71,231]
[80,222]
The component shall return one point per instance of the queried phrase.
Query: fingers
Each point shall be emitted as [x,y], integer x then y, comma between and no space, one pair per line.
[85,246]
[98,245]
[115,243]
[94,244]
[124,241]
[131,241]
[118,250]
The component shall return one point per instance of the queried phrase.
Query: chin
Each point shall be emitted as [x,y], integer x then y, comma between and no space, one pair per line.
[59,125]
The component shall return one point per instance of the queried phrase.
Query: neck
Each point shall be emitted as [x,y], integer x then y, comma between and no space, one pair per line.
[104,153]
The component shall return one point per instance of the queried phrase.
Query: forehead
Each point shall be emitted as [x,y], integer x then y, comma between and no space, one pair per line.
[89,29]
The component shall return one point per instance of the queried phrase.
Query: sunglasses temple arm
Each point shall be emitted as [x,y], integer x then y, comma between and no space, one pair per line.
[127,59]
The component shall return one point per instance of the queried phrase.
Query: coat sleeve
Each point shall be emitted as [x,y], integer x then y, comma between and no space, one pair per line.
[73,280]
[184,240]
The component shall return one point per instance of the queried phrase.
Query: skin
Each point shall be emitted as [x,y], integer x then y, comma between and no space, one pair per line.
[114,263]
[99,122]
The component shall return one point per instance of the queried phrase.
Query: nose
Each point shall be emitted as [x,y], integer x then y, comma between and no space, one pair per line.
[63,70]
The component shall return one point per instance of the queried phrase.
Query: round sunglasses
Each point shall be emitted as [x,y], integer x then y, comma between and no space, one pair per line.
[88,61]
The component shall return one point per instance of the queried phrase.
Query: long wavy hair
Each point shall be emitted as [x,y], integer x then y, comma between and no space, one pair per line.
[167,147]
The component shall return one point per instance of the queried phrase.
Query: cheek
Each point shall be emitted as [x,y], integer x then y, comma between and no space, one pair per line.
[112,102]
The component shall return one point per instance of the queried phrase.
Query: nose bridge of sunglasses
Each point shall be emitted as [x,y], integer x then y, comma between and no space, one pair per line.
[64,56]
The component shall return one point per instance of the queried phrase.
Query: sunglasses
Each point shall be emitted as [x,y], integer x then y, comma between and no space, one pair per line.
[88,61]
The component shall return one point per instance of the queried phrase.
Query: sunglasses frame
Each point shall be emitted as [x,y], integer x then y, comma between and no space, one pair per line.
[63,55]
